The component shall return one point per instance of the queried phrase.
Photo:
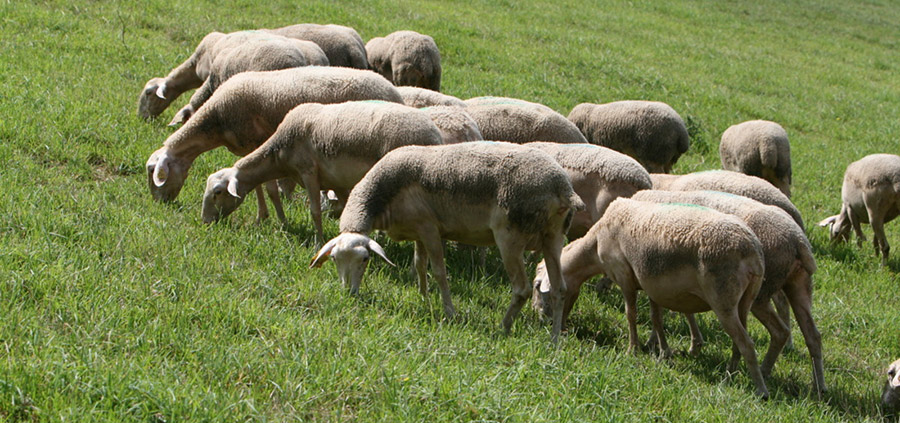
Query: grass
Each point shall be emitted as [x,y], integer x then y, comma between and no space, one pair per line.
[118,308]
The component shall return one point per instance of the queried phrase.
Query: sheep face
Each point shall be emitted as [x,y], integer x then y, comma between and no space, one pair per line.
[890,396]
[166,175]
[153,99]
[221,197]
[351,253]
[540,299]
[838,227]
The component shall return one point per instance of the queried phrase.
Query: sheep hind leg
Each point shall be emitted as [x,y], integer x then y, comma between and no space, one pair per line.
[742,341]
[275,196]
[656,318]
[778,333]
[800,296]
[784,312]
[696,336]
[511,252]
[420,261]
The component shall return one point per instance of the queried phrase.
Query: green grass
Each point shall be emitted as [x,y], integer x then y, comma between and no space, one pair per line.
[118,308]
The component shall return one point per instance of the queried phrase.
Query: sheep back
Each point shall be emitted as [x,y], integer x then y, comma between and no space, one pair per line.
[343,45]
[455,124]
[423,97]
[610,165]
[529,187]
[650,131]
[519,121]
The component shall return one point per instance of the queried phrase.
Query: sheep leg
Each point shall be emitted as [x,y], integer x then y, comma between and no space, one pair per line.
[286,187]
[879,240]
[741,339]
[696,336]
[656,319]
[263,211]
[857,229]
[434,250]
[778,332]
[800,295]
[784,312]
[743,309]
[311,183]
[552,248]
[420,260]
[511,252]
[272,190]
[630,296]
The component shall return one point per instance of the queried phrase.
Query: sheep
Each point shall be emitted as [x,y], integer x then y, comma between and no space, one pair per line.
[478,193]
[325,147]
[343,45]
[245,111]
[599,175]
[870,194]
[455,124]
[731,182]
[650,131]
[758,148]
[406,58]
[423,97]
[890,395]
[789,266]
[687,258]
[253,53]
[519,121]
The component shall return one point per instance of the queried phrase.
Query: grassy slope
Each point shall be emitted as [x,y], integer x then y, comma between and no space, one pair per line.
[118,308]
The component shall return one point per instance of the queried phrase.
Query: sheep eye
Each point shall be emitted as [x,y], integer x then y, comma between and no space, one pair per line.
[217,191]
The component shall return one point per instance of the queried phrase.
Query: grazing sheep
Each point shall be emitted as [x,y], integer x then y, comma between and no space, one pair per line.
[789,265]
[455,124]
[406,58]
[687,258]
[890,395]
[650,131]
[423,97]
[343,45]
[255,51]
[245,111]
[870,194]
[731,182]
[599,175]
[325,147]
[758,148]
[478,193]
[519,121]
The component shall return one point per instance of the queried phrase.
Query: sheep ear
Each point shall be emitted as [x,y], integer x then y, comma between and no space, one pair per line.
[161,91]
[161,172]
[828,221]
[232,186]
[323,254]
[380,251]
[182,116]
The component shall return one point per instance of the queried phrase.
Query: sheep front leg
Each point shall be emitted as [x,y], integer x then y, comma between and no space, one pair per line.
[315,204]
[552,248]
[511,252]
[630,296]
[434,250]
[420,260]
[656,318]
[263,211]
[272,190]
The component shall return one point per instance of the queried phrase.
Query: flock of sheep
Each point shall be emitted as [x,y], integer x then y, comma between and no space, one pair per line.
[303,106]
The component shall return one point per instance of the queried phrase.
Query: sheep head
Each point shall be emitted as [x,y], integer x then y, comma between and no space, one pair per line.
[890,396]
[166,175]
[153,99]
[540,298]
[351,253]
[222,196]
[838,227]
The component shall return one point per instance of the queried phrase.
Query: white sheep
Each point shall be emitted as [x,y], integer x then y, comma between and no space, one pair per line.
[650,131]
[598,175]
[520,121]
[478,193]
[789,265]
[686,258]
[890,395]
[406,58]
[731,182]
[252,51]
[247,109]
[455,123]
[324,147]
[870,194]
[758,148]
[423,97]
[342,44]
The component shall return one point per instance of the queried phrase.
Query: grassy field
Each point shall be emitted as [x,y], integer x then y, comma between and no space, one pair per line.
[118,308]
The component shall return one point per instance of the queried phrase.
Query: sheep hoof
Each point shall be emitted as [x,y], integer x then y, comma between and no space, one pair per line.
[695,349]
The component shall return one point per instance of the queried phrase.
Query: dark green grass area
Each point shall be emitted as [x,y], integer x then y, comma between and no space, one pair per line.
[118,308]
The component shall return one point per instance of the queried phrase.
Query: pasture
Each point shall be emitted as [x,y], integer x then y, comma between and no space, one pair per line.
[119,308]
